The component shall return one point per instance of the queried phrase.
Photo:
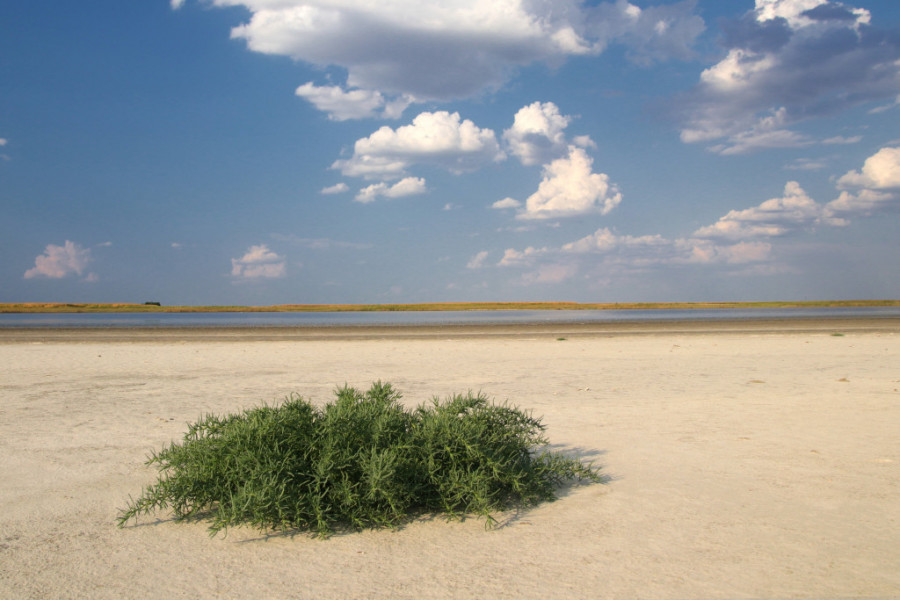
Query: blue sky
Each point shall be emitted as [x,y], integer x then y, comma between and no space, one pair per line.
[351,151]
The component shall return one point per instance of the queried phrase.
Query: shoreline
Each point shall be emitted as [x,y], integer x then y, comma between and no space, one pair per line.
[835,325]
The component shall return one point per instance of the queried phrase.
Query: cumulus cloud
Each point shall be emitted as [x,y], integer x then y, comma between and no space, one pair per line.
[571,188]
[338,188]
[258,263]
[863,202]
[787,61]
[881,171]
[506,203]
[605,241]
[440,138]
[342,105]
[447,50]
[739,242]
[875,187]
[774,217]
[538,134]
[61,261]
[408,186]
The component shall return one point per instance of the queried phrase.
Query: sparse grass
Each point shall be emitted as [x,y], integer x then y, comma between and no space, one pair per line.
[362,460]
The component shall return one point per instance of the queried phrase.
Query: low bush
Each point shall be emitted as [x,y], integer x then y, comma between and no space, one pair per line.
[362,460]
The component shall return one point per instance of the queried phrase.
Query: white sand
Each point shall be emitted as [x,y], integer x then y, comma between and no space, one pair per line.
[744,466]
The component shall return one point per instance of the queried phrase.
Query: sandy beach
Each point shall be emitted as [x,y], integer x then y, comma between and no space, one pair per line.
[754,460]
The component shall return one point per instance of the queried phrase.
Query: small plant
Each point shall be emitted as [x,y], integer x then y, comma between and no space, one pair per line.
[362,460]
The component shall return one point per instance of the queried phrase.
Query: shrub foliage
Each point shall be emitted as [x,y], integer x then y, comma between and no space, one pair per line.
[362,460]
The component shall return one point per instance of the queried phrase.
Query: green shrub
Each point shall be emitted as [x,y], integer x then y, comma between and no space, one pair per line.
[362,460]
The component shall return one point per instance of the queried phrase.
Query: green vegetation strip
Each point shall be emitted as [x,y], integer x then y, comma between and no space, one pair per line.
[38,307]
[361,461]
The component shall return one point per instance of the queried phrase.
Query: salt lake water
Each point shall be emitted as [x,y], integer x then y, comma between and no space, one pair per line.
[486,317]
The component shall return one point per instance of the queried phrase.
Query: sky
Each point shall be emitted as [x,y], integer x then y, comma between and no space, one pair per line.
[259,152]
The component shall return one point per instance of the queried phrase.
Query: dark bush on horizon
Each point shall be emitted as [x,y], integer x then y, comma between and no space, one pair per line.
[360,461]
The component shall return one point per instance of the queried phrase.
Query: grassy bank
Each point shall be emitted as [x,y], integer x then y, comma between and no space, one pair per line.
[51,307]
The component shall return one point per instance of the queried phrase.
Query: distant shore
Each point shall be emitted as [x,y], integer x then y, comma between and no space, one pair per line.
[154,307]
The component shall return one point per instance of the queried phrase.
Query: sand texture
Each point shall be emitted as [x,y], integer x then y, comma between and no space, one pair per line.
[744,465]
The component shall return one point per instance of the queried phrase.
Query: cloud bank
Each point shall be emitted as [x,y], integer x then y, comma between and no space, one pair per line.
[739,240]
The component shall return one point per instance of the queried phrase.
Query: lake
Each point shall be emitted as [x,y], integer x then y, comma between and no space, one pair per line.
[363,318]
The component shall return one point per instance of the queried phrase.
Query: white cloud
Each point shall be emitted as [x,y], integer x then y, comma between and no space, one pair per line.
[477,261]
[446,50]
[3,141]
[338,188]
[739,242]
[875,187]
[788,60]
[584,141]
[609,252]
[512,257]
[258,263]
[408,186]
[176,4]
[605,241]
[353,104]
[766,133]
[863,202]
[438,138]
[538,134]
[881,171]
[774,217]
[571,188]
[430,50]
[506,203]
[61,261]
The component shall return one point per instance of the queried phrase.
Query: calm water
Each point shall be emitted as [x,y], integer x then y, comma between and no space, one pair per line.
[299,319]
